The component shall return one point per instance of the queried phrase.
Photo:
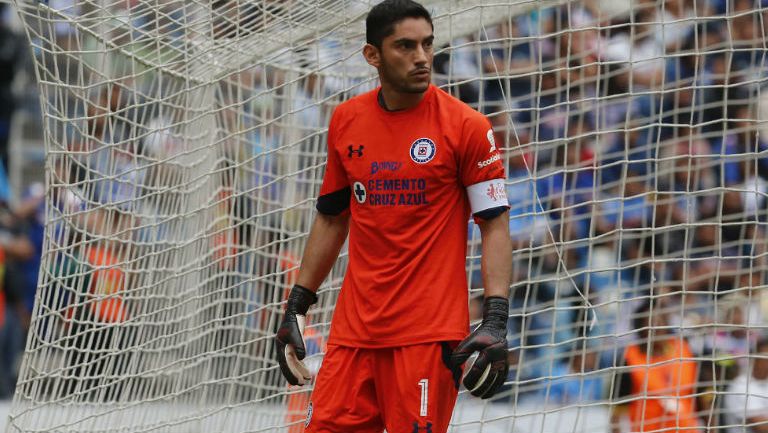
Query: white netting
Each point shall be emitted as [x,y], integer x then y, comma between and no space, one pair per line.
[186,143]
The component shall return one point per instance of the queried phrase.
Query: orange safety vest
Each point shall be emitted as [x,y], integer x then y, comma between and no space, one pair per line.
[107,285]
[671,375]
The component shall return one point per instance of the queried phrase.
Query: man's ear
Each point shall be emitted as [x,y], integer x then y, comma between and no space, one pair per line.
[372,55]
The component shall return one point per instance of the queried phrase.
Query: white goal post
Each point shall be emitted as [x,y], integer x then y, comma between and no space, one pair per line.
[185,144]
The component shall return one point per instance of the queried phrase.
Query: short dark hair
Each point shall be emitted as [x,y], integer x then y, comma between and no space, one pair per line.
[382,18]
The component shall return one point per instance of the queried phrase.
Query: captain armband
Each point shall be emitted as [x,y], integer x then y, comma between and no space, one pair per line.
[335,202]
[488,199]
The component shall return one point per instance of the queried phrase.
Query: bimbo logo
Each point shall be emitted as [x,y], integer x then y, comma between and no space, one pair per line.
[423,150]
[378,166]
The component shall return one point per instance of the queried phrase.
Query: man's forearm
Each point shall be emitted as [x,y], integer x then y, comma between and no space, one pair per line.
[496,264]
[761,424]
[326,238]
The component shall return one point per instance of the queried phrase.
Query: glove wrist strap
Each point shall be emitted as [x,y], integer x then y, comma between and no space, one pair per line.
[300,300]
[496,311]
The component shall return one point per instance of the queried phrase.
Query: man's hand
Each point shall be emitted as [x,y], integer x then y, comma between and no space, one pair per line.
[290,336]
[489,371]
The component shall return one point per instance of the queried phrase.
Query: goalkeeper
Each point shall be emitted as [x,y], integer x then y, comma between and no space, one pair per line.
[407,166]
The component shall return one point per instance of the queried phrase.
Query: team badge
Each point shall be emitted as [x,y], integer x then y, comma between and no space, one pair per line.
[423,150]
[309,415]
[359,190]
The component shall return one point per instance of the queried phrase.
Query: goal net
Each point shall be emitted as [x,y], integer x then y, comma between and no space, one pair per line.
[185,147]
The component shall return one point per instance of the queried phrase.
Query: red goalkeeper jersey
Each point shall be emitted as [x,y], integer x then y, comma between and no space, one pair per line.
[407,178]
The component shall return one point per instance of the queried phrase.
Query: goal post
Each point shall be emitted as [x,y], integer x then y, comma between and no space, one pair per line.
[185,147]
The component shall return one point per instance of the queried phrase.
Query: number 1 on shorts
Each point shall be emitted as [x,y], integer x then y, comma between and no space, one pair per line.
[424,385]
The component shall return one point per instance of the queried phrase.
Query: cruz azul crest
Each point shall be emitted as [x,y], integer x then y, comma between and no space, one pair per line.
[423,150]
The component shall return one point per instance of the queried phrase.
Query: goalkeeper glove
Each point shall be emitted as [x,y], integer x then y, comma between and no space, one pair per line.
[290,336]
[487,373]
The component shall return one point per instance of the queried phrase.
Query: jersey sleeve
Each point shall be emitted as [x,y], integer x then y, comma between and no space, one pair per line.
[481,169]
[335,192]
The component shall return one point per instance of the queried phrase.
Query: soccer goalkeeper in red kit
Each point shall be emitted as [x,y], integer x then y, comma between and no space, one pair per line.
[407,166]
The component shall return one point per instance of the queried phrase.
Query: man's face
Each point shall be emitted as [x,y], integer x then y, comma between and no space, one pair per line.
[405,57]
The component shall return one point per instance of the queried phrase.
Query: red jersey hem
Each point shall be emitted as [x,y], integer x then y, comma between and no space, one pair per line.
[397,342]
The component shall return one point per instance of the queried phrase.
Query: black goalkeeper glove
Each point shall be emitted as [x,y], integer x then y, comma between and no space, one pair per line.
[290,336]
[487,373]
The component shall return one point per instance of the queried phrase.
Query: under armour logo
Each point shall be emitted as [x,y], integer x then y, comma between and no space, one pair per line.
[426,429]
[352,151]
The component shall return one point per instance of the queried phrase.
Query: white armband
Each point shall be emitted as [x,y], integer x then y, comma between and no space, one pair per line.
[487,195]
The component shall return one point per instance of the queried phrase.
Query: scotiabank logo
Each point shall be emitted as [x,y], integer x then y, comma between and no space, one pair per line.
[489,161]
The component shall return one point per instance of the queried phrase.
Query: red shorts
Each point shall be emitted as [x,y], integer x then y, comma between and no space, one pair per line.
[408,389]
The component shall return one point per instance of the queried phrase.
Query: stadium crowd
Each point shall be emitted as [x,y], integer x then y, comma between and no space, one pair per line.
[21,224]
[637,123]
[611,127]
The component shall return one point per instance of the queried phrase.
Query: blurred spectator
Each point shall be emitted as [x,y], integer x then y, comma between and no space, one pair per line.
[614,296]
[89,289]
[660,376]
[627,205]
[640,47]
[12,49]
[460,65]
[579,48]
[31,215]
[16,248]
[576,381]
[568,189]
[544,114]
[64,31]
[691,308]
[743,166]
[731,340]
[673,23]
[686,178]
[746,401]
[527,222]
[510,57]
[748,38]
